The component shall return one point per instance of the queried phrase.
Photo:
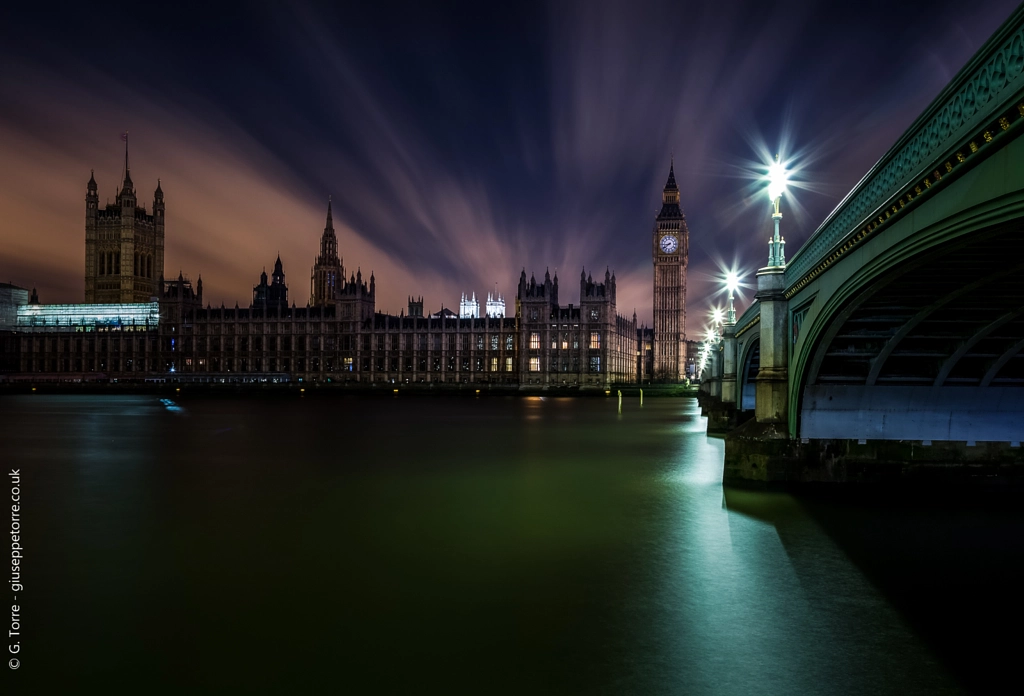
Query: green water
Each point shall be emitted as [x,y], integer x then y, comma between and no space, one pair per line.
[482,546]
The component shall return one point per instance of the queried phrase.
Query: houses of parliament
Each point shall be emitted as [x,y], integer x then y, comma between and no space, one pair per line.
[138,325]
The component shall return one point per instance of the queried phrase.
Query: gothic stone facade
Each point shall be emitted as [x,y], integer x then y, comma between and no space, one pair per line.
[670,252]
[586,345]
[339,337]
[124,245]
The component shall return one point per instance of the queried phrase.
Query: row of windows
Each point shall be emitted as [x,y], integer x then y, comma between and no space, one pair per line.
[331,364]
[566,365]
[346,343]
[315,364]
[534,314]
[110,264]
[79,345]
[595,340]
[99,364]
[381,341]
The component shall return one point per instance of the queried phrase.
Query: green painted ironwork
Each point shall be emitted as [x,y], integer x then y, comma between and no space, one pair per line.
[989,84]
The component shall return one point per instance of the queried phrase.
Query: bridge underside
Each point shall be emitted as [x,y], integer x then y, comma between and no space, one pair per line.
[932,351]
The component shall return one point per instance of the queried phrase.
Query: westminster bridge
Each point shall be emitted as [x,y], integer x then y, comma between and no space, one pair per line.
[891,345]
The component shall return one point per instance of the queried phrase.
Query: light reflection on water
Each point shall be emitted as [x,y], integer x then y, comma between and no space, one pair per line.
[490,545]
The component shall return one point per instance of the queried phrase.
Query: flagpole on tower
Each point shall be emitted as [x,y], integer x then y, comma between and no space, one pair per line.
[124,137]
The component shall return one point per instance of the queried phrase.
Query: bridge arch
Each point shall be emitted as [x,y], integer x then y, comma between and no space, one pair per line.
[986,203]
[749,364]
[926,343]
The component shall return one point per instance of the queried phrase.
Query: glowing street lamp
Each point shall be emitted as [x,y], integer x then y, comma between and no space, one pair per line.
[716,315]
[732,283]
[777,180]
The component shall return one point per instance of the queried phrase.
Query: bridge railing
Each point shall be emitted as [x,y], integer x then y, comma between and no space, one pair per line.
[988,85]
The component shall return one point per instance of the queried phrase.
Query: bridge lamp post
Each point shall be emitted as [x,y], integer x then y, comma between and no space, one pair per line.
[772,382]
[778,177]
[714,359]
[732,284]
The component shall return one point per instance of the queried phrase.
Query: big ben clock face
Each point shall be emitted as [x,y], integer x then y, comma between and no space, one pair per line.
[669,244]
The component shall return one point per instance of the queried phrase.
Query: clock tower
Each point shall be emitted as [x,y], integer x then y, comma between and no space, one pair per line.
[670,251]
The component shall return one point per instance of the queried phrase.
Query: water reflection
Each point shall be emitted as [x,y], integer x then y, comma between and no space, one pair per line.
[489,545]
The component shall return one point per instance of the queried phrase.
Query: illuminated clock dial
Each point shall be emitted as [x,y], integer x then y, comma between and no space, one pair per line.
[669,244]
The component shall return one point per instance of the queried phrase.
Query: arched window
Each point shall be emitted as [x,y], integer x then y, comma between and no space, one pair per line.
[103,264]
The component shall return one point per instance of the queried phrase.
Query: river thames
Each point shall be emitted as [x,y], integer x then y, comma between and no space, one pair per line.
[487,545]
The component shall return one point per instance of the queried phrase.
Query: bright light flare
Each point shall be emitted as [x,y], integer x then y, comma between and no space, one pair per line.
[778,178]
[732,281]
[716,314]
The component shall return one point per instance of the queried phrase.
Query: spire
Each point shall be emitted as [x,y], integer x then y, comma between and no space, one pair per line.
[159,193]
[670,209]
[329,242]
[670,185]
[126,186]
[92,181]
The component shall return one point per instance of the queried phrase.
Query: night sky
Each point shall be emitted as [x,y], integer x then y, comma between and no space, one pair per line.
[461,142]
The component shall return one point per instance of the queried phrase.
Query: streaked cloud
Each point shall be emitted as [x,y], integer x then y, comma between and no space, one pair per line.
[455,162]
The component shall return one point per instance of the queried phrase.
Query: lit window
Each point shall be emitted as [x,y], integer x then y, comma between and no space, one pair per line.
[595,339]
[494,364]
[508,364]
[494,341]
[535,341]
[534,364]
[595,364]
